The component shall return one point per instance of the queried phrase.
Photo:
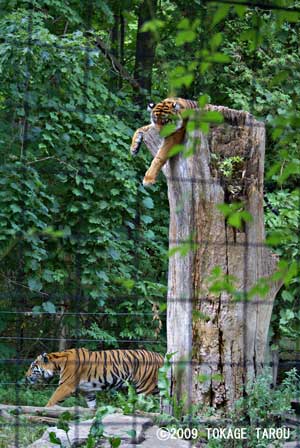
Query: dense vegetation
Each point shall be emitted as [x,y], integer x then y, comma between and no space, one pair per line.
[83,245]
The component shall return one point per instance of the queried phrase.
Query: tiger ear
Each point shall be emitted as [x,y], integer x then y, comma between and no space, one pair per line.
[45,358]
[176,106]
[150,106]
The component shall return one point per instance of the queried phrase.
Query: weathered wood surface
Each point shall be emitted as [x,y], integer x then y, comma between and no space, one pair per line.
[232,340]
[54,411]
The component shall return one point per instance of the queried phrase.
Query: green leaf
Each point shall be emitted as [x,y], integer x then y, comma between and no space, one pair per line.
[289,16]
[220,14]
[49,307]
[183,24]
[34,284]
[37,309]
[102,275]
[216,41]
[115,442]
[146,219]
[54,439]
[219,58]
[131,433]
[287,296]
[213,117]
[203,100]
[274,238]
[236,219]
[217,377]
[91,442]
[240,10]
[168,129]
[175,150]
[202,378]
[184,37]
[15,208]
[148,202]
[152,25]
[290,169]
[199,315]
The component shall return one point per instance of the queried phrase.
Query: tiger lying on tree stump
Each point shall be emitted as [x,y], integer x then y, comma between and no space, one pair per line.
[168,110]
[88,372]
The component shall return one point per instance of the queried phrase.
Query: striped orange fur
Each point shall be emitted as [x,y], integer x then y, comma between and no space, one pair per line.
[88,372]
[162,113]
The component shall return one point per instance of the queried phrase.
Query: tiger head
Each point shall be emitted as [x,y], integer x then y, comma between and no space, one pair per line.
[165,112]
[42,368]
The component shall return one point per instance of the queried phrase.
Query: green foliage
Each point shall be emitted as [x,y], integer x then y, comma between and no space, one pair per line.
[263,406]
[69,190]
[181,415]
[283,229]
[26,437]
[227,166]
[131,401]
[235,214]
[97,429]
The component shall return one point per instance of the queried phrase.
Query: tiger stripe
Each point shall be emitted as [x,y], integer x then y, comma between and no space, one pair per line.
[87,372]
[168,110]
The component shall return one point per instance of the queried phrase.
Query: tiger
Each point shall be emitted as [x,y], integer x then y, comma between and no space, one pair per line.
[162,113]
[88,372]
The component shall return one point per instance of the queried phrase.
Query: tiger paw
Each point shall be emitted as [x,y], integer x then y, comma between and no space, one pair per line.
[148,181]
[136,143]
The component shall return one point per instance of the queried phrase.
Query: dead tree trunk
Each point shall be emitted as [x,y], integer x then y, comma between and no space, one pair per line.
[145,49]
[220,341]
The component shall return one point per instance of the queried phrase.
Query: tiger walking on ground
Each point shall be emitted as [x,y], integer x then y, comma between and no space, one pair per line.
[88,372]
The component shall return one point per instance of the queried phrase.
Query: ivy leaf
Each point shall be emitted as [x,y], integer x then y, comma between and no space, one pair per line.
[287,296]
[146,219]
[34,284]
[148,202]
[49,307]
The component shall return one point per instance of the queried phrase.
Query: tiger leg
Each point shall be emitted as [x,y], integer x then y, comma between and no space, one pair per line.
[61,393]
[137,139]
[91,400]
[162,156]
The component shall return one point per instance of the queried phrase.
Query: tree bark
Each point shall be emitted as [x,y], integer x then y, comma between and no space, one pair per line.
[219,343]
[145,49]
[52,412]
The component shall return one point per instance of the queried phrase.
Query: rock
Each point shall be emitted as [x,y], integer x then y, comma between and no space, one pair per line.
[118,425]
[294,444]
[77,434]
[129,428]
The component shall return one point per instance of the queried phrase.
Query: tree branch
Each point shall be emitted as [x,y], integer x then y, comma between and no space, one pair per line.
[117,66]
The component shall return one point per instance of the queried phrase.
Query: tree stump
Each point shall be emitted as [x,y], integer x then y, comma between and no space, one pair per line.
[219,343]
